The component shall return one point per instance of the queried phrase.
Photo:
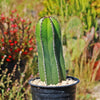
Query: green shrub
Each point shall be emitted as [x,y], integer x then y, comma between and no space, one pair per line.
[66,9]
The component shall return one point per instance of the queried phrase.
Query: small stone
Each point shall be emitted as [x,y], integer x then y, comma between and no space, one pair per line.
[68,81]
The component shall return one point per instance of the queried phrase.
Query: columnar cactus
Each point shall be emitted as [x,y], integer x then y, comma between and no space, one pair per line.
[50,56]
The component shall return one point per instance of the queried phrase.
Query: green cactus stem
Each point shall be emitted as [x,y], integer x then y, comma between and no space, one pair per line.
[50,55]
[74,28]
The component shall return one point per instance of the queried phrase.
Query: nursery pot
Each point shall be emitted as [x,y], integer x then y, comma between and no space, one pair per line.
[66,92]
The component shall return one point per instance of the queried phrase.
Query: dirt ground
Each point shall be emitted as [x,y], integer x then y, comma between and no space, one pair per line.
[96,92]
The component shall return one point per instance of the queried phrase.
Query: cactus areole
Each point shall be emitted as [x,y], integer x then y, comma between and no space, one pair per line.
[50,55]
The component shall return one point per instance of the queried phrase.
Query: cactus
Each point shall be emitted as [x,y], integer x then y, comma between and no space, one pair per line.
[73,46]
[74,28]
[50,56]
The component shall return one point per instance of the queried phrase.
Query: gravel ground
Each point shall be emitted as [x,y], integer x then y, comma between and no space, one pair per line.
[96,92]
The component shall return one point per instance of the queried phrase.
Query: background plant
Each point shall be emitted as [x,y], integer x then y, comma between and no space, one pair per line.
[96,5]
[17,35]
[15,90]
[66,9]
[83,67]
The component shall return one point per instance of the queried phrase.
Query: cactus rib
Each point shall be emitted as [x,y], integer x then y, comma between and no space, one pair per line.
[50,55]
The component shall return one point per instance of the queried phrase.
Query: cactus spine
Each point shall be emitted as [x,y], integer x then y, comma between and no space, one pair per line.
[50,56]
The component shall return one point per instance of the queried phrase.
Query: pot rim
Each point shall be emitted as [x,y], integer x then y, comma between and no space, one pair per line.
[74,78]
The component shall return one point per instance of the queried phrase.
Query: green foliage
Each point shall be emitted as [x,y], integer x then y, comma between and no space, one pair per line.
[50,56]
[96,5]
[73,35]
[74,28]
[34,65]
[85,97]
[57,7]
[11,88]
[76,47]
[83,9]
[13,74]
[66,9]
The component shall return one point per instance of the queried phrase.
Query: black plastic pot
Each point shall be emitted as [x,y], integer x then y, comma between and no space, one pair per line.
[54,92]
